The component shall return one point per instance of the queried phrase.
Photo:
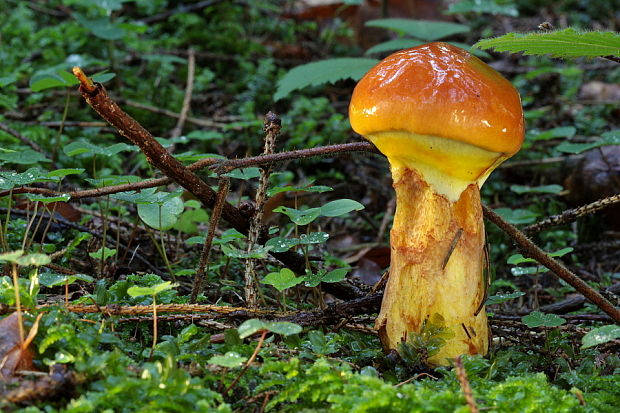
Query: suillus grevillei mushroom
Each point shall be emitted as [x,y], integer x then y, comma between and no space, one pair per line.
[445,120]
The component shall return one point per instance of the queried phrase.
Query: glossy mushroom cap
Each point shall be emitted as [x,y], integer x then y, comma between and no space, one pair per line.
[438,106]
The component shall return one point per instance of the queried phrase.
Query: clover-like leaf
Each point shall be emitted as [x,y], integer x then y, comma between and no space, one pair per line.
[538,319]
[600,335]
[282,280]
[229,360]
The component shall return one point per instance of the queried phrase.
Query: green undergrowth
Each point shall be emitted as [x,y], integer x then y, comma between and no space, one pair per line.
[248,57]
[312,371]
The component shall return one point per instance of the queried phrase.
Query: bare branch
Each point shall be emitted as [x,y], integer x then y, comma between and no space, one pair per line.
[532,250]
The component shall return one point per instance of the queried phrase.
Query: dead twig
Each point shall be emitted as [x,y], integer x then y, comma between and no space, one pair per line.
[196,121]
[224,166]
[249,362]
[575,303]
[531,250]
[571,215]
[6,128]
[187,98]
[224,186]
[157,155]
[272,126]
[231,164]
[461,375]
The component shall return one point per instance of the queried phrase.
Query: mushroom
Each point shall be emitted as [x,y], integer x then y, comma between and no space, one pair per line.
[445,120]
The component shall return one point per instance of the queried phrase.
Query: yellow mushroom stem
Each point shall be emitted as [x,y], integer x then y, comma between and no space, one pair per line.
[437,242]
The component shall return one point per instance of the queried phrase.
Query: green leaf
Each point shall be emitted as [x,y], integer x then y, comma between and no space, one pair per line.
[280,244]
[284,328]
[420,29]
[325,71]
[161,216]
[517,216]
[103,77]
[102,27]
[607,138]
[561,132]
[282,280]
[80,147]
[229,360]
[340,207]
[33,260]
[7,80]
[61,173]
[23,157]
[558,43]
[600,335]
[53,280]
[48,199]
[250,327]
[500,298]
[228,236]
[519,271]
[538,319]
[232,252]
[544,189]
[313,279]
[392,45]
[137,291]
[9,180]
[52,78]
[11,256]
[106,253]
[335,276]
[314,188]
[245,173]
[519,259]
[300,217]
[482,6]
[254,325]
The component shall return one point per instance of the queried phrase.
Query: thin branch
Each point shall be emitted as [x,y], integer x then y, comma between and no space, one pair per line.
[461,375]
[196,121]
[231,164]
[576,302]
[224,186]
[332,314]
[272,126]
[249,362]
[187,98]
[615,59]
[157,155]
[225,166]
[532,250]
[571,215]
[25,140]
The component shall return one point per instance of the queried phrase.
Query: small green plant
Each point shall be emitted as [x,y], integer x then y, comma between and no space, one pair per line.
[418,347]
[137,291]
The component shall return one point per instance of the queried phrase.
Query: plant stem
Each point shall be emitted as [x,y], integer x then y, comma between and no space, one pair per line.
[154,327]
[249,362]
[530,249]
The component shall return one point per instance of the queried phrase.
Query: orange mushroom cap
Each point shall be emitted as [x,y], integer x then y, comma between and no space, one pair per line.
[443,91]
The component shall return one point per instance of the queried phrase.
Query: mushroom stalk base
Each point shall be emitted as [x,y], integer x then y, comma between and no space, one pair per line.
[437,266]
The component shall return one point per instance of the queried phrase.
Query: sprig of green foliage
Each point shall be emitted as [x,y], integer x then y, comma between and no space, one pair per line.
[557,43]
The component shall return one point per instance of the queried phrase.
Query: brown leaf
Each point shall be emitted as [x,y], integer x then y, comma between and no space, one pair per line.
[13,355]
